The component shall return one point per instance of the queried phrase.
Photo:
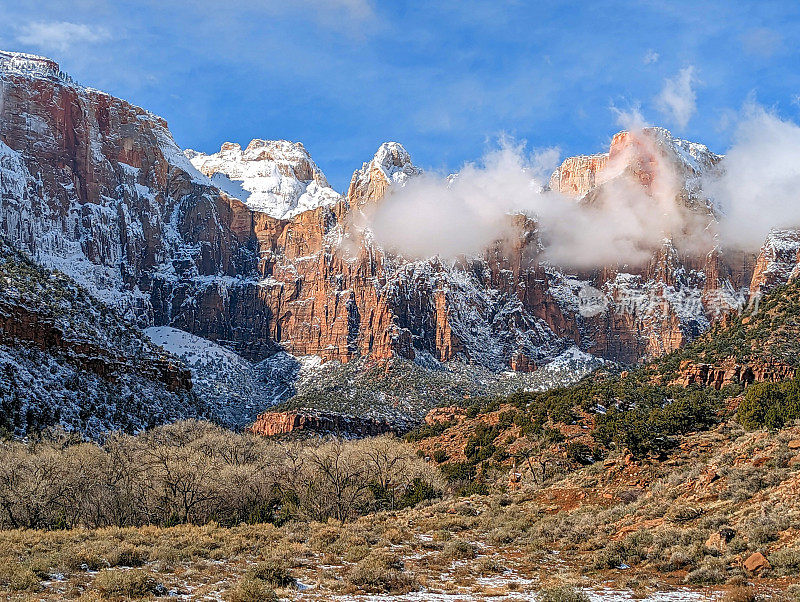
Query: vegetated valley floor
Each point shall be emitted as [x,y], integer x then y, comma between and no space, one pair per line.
[619,529]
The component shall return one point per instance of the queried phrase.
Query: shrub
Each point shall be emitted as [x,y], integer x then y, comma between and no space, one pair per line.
[562,593]
[426,431]
[770,405]
[273,571]
[710,572]
[766,526]
[252,590]
[480,445]
[740,594]
[490,566]
[579,452]
[419,491]
[456,471]
[381,573]
[440,456]
[683,514]
[458,549]
[786,561]
[658,414]
[134,583]
[17,576]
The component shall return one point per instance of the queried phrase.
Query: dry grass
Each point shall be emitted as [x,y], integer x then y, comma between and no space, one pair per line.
[500,545]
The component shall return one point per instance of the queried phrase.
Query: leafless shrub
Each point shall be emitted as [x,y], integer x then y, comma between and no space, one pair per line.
[195,472]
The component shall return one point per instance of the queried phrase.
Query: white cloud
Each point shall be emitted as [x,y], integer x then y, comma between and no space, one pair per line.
[651,57]
[678,100]
[622,222]
[759,186]
[60,35]
[630,119]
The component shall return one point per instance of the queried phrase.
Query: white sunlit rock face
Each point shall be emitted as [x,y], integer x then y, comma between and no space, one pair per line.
[276,177]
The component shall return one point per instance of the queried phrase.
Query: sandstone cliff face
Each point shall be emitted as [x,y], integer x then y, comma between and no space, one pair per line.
[270,424]
[578,175]
[732,372]
[96,187]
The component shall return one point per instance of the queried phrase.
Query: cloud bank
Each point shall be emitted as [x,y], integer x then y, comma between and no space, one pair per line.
[759,186]
[621,221]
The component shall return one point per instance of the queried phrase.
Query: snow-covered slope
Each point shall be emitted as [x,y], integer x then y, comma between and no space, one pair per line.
[276,177]
[68,360]
[235,389]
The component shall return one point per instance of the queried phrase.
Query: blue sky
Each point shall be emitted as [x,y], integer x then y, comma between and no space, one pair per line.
[445,78]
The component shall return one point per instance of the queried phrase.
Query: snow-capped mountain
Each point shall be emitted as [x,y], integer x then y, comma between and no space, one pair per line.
[251,249]
[391,166]
[275,177]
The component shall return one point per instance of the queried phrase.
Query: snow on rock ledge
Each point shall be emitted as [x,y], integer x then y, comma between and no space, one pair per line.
[276,177]
[30,64]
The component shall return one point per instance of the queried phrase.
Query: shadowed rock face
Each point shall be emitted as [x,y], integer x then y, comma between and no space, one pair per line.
[270,424]
[96,187]
[65,359]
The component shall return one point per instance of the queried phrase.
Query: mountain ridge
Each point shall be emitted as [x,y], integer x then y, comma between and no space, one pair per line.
[97,187]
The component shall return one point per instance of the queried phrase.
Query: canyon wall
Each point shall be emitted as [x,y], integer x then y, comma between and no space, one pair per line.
[97,188]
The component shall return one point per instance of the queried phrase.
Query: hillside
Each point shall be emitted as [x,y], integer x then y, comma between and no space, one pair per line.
[65,359]
[748,360]
[766,335]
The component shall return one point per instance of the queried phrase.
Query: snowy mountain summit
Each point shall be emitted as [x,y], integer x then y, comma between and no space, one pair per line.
[391,166]
[276,177]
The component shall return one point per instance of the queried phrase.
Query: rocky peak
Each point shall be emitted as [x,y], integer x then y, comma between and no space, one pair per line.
[691,158]
[276,177]
[647,155]
[390,166]
[31,64]
[777,262]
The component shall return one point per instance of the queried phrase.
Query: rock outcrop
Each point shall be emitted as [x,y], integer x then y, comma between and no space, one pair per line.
[445,415]
[731,372]
[315,422]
